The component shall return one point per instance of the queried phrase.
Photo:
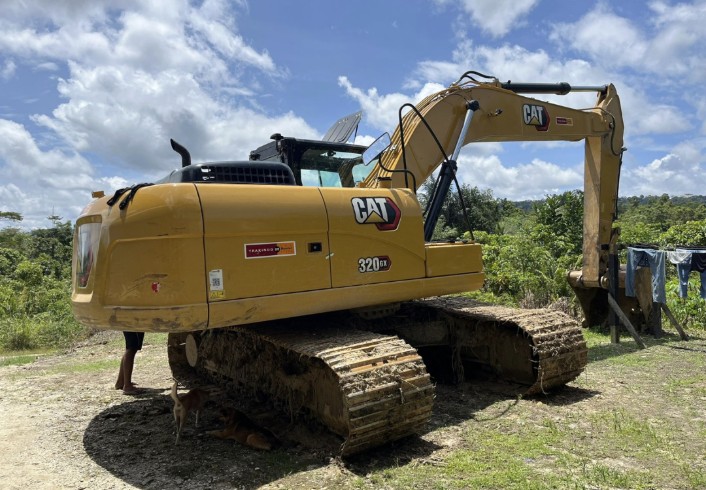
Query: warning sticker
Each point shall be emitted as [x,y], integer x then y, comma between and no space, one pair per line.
[215,280]
[216,294]
[564,121]
[262,250]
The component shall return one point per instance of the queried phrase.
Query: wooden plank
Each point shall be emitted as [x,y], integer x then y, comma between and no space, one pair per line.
[624,319]
[674,322]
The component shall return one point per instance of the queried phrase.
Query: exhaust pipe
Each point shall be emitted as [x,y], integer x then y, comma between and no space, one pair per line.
[185,155]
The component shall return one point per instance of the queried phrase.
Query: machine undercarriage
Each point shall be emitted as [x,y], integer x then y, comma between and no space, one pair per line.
[367,380]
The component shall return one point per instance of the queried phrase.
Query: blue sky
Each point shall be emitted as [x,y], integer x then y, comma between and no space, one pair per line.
[92,90]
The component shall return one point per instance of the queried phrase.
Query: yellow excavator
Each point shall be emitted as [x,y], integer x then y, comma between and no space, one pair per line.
[309,273]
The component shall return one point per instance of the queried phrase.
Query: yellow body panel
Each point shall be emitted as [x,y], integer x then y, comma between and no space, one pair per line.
[264,308]
[148,271]
[260,237]
[184,257]
[353,242]
[443,259]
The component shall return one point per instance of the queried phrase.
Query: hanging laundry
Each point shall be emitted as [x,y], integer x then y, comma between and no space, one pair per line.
[655,260]
[696,262]
[682,259]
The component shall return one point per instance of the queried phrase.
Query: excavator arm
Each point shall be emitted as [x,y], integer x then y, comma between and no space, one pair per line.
[432,132]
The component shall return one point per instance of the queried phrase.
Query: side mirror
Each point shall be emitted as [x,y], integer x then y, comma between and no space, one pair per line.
[376,148]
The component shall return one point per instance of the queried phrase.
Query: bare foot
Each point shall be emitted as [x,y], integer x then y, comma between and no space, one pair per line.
[132,390]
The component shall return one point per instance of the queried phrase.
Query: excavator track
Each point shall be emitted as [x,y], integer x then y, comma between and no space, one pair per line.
[540,349]
[366,387]
[361,380]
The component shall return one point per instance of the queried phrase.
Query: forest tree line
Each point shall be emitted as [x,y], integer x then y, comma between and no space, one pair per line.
[528,248]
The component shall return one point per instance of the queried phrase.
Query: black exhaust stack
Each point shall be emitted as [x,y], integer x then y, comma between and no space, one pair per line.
[185,155]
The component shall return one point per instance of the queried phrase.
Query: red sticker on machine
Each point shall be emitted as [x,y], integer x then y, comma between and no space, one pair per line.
[262,250]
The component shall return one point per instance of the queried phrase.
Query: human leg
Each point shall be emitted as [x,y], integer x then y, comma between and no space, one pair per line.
[121,374]
[127,363]
[133,343]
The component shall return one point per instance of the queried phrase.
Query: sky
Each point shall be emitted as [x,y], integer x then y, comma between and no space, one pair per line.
[91,91]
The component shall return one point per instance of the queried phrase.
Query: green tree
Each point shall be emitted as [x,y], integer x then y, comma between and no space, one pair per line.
[691,233]
[10,215]
[563,215]
[662,212]
[483,210]
[53,247]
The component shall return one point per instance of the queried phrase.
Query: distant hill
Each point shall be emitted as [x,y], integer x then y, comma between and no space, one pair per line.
[632,200]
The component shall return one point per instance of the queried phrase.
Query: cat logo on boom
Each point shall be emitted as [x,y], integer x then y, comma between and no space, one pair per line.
[536,115]
[379,211]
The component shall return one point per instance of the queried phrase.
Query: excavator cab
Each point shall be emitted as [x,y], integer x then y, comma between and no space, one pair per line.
[316,163]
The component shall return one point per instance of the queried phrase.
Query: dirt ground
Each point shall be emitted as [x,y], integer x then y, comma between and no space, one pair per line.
[63,425]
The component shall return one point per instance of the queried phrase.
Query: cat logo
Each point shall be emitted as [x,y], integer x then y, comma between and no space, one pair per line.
[536,115]
[379,211]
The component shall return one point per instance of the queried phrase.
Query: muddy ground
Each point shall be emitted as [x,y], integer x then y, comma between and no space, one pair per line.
[63,425]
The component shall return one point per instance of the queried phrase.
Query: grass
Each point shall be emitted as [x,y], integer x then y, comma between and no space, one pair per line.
[642,440]
[39,331]
[17,360]
[86,367]
[494,457]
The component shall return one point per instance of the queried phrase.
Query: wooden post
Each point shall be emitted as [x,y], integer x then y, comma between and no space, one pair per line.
[674,322]
[613,267]
[624,319]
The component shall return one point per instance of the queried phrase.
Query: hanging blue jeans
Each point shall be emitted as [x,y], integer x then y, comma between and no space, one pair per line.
[646,257]
[682,259]
[695,262]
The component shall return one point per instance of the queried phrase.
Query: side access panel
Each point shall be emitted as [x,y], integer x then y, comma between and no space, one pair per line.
[376,236]
[263,240]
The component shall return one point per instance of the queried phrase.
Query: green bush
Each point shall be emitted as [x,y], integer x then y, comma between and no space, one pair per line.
[17,334]
[691,233]
[39,331]
[690,312]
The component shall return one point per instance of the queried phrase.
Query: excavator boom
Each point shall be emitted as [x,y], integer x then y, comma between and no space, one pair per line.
[432,132]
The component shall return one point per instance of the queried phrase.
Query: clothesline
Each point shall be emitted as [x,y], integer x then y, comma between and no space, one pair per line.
[686,260]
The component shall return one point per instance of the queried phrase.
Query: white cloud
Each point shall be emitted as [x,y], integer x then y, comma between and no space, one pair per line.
[681,171]
[672,48]
[37,183]
[382,111]
[496,17]
[642,113]
[533,180]
[8,69]
[137,74]
[129,117]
